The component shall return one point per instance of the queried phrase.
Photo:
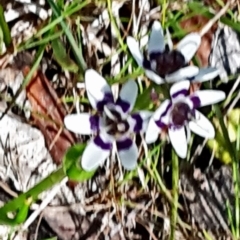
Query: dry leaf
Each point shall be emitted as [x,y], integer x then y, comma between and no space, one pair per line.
[48,114]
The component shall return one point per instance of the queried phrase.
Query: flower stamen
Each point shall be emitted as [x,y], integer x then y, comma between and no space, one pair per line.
[181,113]
[167,62]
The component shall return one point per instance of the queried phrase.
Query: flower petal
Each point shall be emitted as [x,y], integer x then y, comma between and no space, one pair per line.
[114,112]
[188,133]
[139,121]
[95,153]
[202,126]
[127,96]
[179,141]
[80,123]
[128,153]
[135,50]
[156,40]
[162,115]
[152,131]
[208,97]
[169,40]
[180,88]
[154,77]
[182,73]
[98,91]
[189,45]
[206,74]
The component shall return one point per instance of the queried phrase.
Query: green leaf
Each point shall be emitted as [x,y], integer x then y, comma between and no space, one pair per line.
[1,41]
[22,201]
[234,117]
[144,99]
[71,164]
[5,29]
[60,55]
[22,212]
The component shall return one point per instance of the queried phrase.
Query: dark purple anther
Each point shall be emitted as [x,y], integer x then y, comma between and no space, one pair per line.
[181,113]
[167,62]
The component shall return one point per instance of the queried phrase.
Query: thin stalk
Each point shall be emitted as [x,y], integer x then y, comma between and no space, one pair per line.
[174,209]
[235,166]
[77,51]
[17,203]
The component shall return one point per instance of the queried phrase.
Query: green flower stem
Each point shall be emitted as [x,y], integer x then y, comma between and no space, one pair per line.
[174,209]
[235,169]
[236,187]
[19,205]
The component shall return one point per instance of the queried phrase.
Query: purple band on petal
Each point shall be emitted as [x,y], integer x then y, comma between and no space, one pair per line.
[181,92]
[166,111]
[123,104]
[196,101]
[94,122]
[100,143]
[161,124]
[139,122]
[108,98]
[124,144]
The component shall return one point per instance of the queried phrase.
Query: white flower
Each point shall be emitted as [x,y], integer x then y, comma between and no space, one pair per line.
[113,122]
[165,63]
[179,115]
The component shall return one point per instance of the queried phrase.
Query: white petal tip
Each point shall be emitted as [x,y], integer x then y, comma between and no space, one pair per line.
[202,126]
[222,96]
[154,77]
[135,50]
[179,141]
[189,45]
[78,123]
[206,74]
[129,157]
[87,168]
[93,156]
[157,25]
[131,167]
[156,40]
[131,41]
[182,155]
[150,140]
[152,132]
[90,72]
[182,74]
